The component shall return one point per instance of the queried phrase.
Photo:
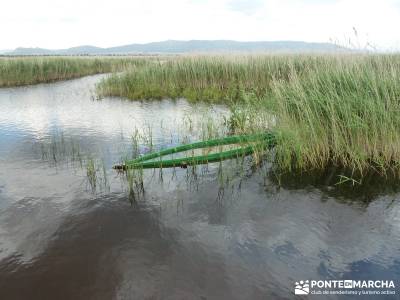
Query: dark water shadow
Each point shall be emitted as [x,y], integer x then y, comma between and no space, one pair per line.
[338,183]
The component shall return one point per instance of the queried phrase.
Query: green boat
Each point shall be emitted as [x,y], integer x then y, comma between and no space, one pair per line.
[247,144]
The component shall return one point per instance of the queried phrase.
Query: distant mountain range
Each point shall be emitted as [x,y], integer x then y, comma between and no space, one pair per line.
[177,47]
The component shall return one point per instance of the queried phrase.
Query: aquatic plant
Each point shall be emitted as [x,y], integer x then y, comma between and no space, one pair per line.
[91,173]
[135,182]
[16,71]
[96,175]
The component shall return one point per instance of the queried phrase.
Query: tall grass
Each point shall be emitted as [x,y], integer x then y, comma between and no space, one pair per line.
[327,110]
[31,70]
[208,78]
[346,113]
[195,78]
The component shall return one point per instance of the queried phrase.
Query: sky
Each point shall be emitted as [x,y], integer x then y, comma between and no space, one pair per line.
[57,24]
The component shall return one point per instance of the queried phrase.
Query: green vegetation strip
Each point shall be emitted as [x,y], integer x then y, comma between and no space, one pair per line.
[17,71]
[264,140]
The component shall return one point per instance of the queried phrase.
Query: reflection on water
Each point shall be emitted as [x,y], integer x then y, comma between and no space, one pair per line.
[72,228]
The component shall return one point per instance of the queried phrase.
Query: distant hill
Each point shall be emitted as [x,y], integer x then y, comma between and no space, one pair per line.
[176,47]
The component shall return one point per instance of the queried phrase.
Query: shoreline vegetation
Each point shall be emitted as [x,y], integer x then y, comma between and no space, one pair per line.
[327,110]
[19,71]
[333,110]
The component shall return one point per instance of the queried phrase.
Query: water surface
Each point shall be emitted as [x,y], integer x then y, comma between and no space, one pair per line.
[185,238]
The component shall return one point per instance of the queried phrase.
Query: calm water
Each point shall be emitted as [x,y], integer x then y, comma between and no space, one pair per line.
[185,238]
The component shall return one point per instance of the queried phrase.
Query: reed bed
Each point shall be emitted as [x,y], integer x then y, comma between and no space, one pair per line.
[210,78]
[19,71]
[341,110]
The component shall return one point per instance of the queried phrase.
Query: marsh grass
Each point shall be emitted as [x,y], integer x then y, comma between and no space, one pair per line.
[58,150]
[135,183]
[91,173]
[326,110]
[67,152]
[96,175]
[208,78]
[346,114]
[18,71]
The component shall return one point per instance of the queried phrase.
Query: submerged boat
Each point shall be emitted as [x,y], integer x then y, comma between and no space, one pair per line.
[243,145]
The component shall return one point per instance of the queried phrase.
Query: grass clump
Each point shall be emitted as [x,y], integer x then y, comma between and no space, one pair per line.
[31,70]
[327,110]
